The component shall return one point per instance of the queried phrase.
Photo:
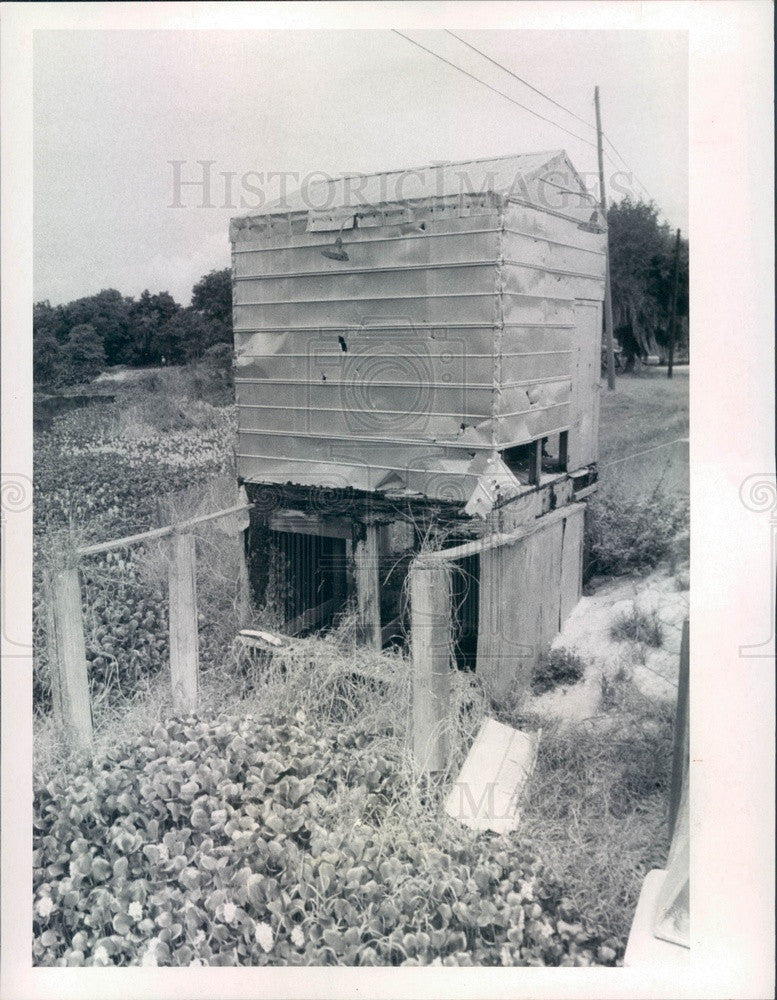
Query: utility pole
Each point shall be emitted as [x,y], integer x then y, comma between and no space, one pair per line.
[673,314]
[607,291]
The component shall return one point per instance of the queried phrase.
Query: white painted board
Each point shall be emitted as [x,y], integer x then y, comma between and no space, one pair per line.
[486,793]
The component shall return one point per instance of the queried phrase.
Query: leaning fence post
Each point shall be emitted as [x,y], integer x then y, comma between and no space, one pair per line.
[184,641]
[430,620]
[67,657]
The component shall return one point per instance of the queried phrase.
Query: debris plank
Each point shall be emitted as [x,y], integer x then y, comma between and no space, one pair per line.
[486,794]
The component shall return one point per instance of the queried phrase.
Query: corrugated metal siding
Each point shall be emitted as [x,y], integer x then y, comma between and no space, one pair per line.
[396,187]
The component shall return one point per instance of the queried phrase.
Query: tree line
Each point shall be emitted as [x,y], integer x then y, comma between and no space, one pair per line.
[76,341]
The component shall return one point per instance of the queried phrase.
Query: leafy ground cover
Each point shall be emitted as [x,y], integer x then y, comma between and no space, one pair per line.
[102,474]
[222,842]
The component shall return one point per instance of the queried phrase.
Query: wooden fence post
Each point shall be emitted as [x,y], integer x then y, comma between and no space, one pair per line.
[243,582]
[430,618]
[681,753]
[184,640]
[67,657]
[367,580]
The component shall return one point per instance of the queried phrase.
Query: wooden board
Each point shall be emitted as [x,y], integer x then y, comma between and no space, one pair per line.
[310,524]
[486,794]
[572,563]
[184,638]
[367,582]
[67,657]
[584,433]
[528,588]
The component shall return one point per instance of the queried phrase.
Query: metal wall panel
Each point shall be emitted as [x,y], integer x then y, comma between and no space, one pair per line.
[441,242]
[425,348]
[584,433]
[371,365]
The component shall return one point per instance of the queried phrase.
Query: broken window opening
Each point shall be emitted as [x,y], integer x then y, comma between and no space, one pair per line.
[521,460]
[554,452]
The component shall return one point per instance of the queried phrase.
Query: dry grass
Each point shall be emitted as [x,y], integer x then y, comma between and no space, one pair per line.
[647,402]
[640,626]
[332,681]
[596,808]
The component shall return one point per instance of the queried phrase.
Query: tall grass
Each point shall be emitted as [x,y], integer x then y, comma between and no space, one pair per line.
[596,807]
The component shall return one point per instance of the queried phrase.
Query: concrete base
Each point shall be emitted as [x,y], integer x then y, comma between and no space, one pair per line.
[644,949]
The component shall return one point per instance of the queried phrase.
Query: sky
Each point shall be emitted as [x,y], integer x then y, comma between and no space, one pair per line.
[120,115]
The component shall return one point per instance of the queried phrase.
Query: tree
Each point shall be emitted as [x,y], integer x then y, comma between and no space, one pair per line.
[212,298]
[48,319]
[49,332]
[47,366]
[150,316]
[84,352]
[187,335]
[109,314]
[641,265]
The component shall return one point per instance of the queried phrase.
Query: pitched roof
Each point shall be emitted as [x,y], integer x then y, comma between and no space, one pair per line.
[501,175]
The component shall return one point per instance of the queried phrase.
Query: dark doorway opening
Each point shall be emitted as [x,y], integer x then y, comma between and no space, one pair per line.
[304,577]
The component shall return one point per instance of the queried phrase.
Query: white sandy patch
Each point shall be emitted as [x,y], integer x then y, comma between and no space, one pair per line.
[124,374]
[587,633]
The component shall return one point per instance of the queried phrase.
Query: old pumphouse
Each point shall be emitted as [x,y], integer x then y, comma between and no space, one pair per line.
[418,359]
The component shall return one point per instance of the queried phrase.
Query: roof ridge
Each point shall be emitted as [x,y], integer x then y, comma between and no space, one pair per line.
[550,153]
[339,194]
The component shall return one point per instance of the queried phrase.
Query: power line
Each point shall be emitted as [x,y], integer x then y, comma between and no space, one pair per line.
[518,78]
[494,89]
[523,106]
[569,111]
[626,165]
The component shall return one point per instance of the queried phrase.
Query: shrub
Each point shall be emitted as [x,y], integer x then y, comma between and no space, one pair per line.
[624,534]
[221,842]
[638,626]
[557,667]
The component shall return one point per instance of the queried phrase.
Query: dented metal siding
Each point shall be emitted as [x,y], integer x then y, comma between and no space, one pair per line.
[371,364]
[425,348]
[549,264]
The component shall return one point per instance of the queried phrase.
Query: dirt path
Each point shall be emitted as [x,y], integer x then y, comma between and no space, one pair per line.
[587,633]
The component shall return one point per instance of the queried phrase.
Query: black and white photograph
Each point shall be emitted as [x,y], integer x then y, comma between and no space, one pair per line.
[350,492]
